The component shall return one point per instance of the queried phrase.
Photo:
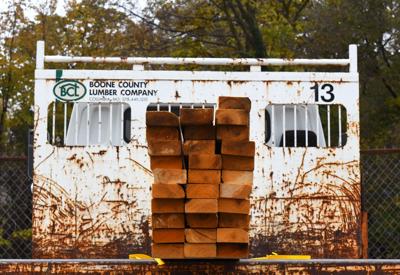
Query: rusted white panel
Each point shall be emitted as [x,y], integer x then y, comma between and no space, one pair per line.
[94,201]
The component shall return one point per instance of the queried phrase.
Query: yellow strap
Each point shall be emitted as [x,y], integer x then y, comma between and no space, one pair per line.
[144,256]
[275,256]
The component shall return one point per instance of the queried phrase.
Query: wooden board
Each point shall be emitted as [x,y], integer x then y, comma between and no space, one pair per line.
[196,116]
[202,220]
[165,191]
[165,148]
[202,191]
[168,220]
[233,206]
[199,132]
[233,133]
[168,235]
[199,147]
[235,191]
[154,133]
[161,118]
[200,235]
[231,102]
[237,163]
[204,176]
[167,251]
[232,251]
[166,162]
[237,177]
[167,206]
[232,235]
[201,206]
[205,161]
[238,148]
[196,250]
[230,220]
[169,176]
[232,117]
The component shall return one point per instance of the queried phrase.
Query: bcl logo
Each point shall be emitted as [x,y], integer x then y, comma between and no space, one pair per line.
[69,90]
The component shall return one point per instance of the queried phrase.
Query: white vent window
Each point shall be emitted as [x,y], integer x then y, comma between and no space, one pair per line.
[301,125]
[84,124]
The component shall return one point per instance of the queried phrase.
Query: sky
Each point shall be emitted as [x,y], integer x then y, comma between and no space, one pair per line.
[30,13]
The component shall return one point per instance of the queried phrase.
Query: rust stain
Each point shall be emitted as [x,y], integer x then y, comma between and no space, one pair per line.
[100,153]
[319,216]
[73,230]
[142,166]
[71,158]
[235,82]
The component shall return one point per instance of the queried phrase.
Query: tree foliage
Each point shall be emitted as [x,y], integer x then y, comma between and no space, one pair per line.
[211,28]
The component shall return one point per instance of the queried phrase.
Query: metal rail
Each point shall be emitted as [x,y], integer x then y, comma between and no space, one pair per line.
[241,261]
[254,63]
[197,61]
[325,261]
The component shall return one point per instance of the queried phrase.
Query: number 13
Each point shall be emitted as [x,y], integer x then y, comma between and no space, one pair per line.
[327,89]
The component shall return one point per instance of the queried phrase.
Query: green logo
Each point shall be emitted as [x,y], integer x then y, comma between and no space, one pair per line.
[69,90]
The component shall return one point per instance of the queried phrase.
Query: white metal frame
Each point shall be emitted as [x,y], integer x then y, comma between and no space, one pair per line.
[41,58]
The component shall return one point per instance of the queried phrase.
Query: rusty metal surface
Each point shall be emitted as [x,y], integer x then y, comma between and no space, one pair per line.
[94,201]
[199,267]
[103,218]
[315,211]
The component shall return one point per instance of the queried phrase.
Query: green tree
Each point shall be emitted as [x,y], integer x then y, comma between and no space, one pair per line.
[13,80]
[374,25]
[89,28]
[239,28]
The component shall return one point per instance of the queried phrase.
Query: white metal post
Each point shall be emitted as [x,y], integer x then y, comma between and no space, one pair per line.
[53,132]
[65,122]
[306,122]
[340,125]
[88,124]
[40,55]
[272,125]
[295,124]
[100,124]
[353,58]
[284,125]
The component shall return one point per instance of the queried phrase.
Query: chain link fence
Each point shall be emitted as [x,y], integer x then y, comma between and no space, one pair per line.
[15,208]
[381,200]
[380,195]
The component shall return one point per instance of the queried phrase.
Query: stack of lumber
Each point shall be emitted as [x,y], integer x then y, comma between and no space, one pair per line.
[201,211]
[168,194]
[232,122]
[204,176]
